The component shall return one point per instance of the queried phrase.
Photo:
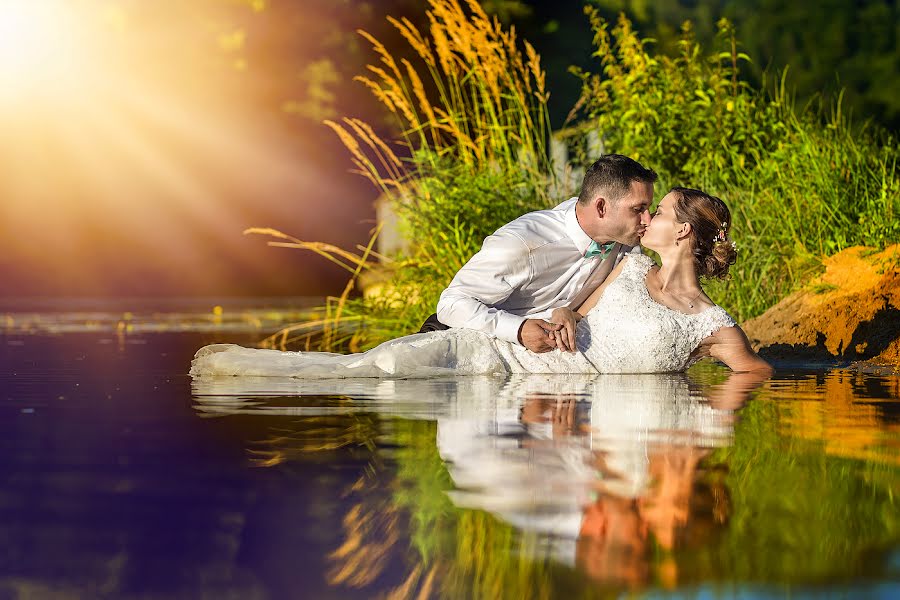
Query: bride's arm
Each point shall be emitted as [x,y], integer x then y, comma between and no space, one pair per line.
[731,346]
[591,300]
[734,392]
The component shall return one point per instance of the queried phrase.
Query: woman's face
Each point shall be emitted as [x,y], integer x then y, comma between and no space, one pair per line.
[664,227]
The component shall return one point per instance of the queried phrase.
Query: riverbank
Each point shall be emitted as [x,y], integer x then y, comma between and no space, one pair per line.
[850,312]
[133,315]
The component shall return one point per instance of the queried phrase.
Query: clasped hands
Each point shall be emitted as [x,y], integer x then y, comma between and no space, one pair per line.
[540,335]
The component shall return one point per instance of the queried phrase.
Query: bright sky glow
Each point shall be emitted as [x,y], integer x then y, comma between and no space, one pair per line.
[119,124]
[38,45]
[134,151]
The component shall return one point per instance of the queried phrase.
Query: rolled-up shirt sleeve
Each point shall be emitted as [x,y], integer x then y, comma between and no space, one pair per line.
[489,278]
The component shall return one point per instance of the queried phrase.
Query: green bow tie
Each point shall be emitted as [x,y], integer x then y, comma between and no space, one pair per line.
[602,250]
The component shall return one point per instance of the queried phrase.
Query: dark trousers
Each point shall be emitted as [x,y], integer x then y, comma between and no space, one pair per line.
[432,324]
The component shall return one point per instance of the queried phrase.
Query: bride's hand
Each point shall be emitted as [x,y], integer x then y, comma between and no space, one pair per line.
[565,336]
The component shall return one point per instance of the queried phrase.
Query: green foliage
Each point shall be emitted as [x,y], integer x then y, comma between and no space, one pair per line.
[831,44]
[800,184]
[482,199]
[457,209]
[835,511]
[462,208]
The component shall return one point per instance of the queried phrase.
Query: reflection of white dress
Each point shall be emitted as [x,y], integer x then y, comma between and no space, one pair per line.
[627,332]
[519,471]
[544,487]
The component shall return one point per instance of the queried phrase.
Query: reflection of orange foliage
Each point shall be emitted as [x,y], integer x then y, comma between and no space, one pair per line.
[683,507]
[405,590]
[834,413]
[320,434]
[371,534]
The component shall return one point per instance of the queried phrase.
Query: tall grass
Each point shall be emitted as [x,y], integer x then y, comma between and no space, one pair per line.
[470,109]
[480,100]
[333,326]
[801,185]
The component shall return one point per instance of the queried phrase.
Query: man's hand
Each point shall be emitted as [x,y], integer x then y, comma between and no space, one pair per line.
[565,335]
[537,335]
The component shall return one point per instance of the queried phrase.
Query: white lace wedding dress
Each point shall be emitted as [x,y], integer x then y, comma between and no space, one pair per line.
[626,332]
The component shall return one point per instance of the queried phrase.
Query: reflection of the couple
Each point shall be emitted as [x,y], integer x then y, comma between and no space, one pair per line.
[602,469]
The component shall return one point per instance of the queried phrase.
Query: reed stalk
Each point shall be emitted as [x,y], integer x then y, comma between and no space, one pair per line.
[470,113]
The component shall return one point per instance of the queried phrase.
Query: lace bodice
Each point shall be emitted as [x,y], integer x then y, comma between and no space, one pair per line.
[630,332]
[626,332]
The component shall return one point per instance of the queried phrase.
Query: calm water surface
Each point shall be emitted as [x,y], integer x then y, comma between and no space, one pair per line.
[123,478]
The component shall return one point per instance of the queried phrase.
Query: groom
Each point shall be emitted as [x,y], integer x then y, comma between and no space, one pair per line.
[550,258]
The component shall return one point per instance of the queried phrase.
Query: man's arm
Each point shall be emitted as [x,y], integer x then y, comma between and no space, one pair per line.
[489,278]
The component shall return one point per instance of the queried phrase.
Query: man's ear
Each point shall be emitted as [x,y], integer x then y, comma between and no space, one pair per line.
[601,205]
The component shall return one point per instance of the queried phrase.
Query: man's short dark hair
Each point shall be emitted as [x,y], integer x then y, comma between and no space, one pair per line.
[611,175]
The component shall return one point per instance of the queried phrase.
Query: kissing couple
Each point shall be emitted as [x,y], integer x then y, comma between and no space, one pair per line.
[563,290]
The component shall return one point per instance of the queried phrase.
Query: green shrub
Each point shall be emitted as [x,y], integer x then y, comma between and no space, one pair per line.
[460,208]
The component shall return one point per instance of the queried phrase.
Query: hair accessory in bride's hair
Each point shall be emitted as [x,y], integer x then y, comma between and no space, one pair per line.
[721,234]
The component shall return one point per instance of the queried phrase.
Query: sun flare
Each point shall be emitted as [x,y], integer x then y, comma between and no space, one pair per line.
[123,125]
[39,45]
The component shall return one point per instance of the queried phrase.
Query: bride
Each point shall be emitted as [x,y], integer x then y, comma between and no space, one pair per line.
[643,319]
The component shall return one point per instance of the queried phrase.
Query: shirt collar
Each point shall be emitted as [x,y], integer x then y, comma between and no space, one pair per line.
[579,237]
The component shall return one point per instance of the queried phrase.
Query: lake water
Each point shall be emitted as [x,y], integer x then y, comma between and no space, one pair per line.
[123,478]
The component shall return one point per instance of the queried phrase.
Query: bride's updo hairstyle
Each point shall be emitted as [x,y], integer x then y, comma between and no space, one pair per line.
[710,220]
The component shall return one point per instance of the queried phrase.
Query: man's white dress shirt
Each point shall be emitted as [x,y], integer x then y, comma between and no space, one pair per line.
[524,270]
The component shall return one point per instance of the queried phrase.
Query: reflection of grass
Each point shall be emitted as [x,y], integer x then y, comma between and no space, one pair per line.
[473,554]
[799,515]
[372,532]
[312,435]
[811,481]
